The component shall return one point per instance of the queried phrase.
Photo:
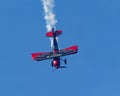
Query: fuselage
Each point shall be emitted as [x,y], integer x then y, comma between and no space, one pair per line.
[56,61]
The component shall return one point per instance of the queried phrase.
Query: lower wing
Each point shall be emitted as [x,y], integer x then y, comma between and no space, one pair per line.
[41,56]
[49,55]
[69,50]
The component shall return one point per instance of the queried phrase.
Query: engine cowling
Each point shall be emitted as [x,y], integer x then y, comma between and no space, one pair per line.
[55,62]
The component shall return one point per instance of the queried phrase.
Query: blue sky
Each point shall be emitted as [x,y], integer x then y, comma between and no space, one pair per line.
[91,24]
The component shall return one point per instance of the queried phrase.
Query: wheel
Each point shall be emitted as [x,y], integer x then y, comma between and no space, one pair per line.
[65,61]
[52,63]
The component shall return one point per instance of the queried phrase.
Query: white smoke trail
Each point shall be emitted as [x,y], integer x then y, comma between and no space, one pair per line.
[48,6]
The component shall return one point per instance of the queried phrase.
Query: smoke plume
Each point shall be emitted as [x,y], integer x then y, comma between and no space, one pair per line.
[48,6]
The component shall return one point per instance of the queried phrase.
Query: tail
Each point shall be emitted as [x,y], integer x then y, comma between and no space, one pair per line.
[54,33]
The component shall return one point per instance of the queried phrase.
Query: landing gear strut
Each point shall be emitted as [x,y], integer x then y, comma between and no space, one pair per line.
[65,61]
[52,63]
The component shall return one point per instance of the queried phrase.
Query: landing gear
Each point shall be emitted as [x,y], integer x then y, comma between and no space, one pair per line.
[63,67]
[52,63]
[65,61]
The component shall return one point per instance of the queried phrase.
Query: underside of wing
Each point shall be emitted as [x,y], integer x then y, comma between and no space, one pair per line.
[49,55]
[41,56]
[69,50]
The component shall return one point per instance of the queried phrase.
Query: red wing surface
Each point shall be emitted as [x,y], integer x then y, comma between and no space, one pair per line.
[69,51]
[41,56]
[49,55]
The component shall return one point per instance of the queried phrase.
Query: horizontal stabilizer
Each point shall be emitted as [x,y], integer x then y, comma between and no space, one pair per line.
[49,34]
[58,32]
[52,34]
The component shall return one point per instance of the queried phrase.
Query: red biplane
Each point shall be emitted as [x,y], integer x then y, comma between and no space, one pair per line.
[56,53]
